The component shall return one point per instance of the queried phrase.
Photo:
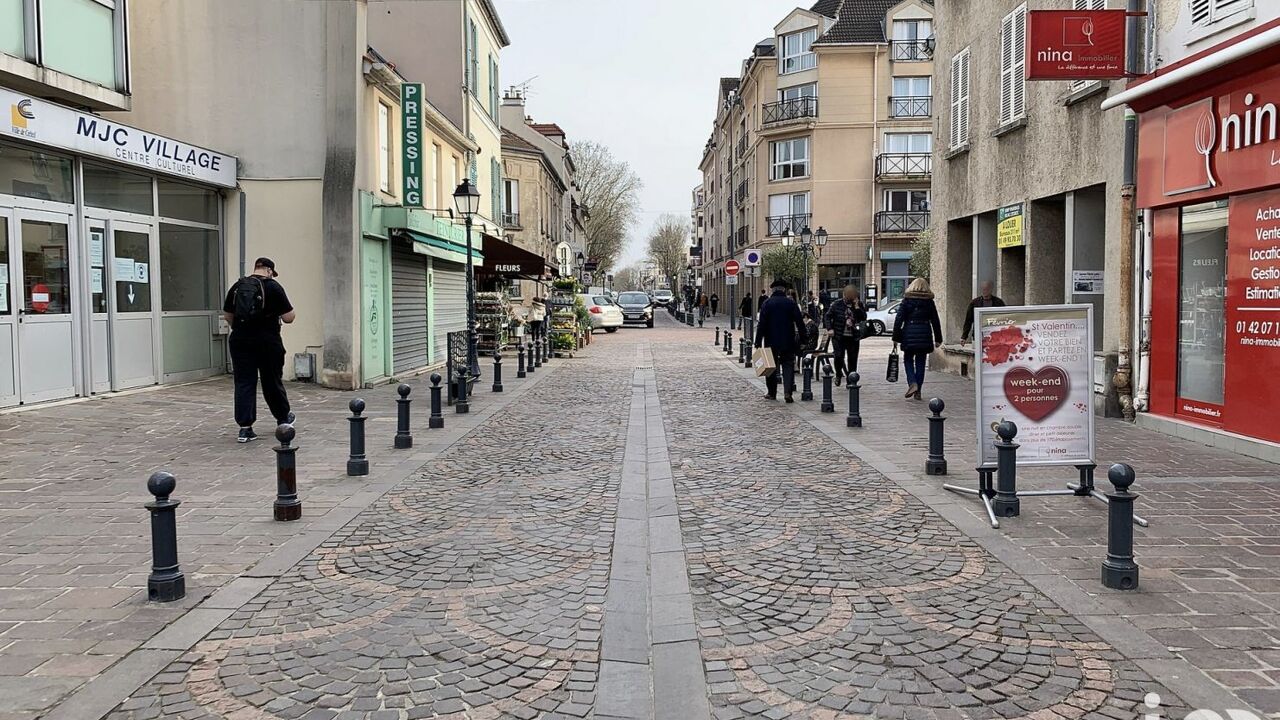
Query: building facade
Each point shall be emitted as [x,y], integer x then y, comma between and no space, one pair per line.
[828,126]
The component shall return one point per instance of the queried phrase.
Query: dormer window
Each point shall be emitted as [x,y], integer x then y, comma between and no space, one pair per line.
[797,53]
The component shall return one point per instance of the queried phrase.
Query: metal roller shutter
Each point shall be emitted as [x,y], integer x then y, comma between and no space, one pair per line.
[450,296]
[409,349]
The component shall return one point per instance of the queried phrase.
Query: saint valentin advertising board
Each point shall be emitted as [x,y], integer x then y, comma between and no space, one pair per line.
[1036,370]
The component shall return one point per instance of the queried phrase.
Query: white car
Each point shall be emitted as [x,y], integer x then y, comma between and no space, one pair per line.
[880,322]
[662,296]
[604,314]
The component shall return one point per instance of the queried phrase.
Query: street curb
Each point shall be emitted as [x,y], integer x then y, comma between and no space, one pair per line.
[97,698]
[1193,686]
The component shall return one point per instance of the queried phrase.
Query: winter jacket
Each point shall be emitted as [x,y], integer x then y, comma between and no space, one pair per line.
[809,339]
[917,327]
[780,323]
[760,303]
[744,307]
[839,311]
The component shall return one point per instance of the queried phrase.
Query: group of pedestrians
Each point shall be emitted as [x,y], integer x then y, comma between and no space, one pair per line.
[792,333]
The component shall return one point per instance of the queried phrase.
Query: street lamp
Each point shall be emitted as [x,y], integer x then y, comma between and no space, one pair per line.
[467,200]
[581,261]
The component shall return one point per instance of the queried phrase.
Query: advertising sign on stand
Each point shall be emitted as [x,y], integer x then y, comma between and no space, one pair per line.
[1036,370]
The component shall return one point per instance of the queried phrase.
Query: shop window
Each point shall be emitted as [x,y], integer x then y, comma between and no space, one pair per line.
[35,174]
[106,187]
[1202,266]
[188,269]
[188,202]
[12,33]
[78,37]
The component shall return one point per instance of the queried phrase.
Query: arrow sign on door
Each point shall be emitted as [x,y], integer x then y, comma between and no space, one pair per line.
[131,295]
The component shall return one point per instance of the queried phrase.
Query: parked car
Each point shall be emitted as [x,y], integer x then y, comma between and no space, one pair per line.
[662,297]
[636,307]
[604,314]
[880,322]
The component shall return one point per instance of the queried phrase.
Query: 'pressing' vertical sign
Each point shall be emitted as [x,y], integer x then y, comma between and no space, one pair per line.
[411,99]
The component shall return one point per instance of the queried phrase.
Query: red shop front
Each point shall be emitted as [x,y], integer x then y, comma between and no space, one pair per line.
[1209,171]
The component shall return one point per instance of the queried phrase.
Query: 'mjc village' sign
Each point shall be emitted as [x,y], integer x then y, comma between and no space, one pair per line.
[62,128]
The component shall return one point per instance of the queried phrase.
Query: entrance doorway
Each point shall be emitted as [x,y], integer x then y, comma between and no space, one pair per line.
[125,346]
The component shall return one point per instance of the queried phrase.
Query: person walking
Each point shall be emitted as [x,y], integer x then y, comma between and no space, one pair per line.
[844,323]
[813,308]
[715,304]
[761,301]
[985,299]
[704,305]
[919,331]
[781,323]
[744,308]
[255,307]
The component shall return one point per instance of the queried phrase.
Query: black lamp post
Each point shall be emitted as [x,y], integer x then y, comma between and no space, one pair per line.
[467,200]
[581,261]
[810,244]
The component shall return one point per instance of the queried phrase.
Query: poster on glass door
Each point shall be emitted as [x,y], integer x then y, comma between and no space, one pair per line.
[1036,370]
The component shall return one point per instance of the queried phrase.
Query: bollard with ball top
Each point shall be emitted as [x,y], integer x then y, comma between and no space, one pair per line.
[806,372]
[728,343]
[287,506]
[1006,503]
[531,366]
[166,582]
[437,411]
[828,403]
[497,372]
[357,463]
[854,418]
[520,371]
[717,340]
[937,462]
[460,404]
[403,439]
[1119,571]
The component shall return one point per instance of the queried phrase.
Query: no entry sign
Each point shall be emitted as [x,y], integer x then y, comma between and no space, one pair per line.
[731,268]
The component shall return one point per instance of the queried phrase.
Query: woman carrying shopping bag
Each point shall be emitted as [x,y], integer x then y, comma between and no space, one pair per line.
[919,331]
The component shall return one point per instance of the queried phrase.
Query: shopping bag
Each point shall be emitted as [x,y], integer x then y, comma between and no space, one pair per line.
[891,372]
[763,362]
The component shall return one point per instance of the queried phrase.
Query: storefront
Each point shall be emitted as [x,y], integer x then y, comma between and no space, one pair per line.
[1209,181]
[111,255]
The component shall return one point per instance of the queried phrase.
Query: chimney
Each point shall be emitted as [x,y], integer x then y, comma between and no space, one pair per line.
[513,97]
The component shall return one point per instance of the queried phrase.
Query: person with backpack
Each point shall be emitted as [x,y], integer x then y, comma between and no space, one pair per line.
[255,307]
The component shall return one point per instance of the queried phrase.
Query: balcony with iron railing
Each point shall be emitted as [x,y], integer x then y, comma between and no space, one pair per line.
[910,50]
[905,221]
[910,106]
[741,194]
[740,235]
[511,220]
[903,165]
[789,110]
[742,147]
[778,225]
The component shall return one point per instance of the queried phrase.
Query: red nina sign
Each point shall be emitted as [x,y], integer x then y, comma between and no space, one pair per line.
[1075,44]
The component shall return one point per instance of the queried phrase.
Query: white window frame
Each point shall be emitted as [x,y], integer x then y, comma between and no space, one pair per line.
[384,148]
[911,137]
[805,59]
[1013,66]
[960,99]
[510,196]
[914,24]
[1208,12]
[798,92]
[912,81]
[1079,85]
[790,199]
[789,160]
[888,193]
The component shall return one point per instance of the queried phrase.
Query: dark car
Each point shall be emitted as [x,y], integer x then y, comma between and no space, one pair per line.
[636,307]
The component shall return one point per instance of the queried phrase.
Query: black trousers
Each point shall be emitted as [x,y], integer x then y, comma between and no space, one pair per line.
[252,357]
[787,368]
[845,349]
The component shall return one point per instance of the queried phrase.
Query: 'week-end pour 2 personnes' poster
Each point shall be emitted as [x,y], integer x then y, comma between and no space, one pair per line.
[1036,371]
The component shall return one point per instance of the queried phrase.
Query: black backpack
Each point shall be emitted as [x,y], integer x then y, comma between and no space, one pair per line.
[250,298]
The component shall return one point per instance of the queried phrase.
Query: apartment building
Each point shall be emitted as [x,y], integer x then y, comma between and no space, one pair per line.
[697,216]
[829,126]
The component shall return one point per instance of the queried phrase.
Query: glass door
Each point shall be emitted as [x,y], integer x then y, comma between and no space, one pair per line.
[130,305]
[8,314]
[42,270]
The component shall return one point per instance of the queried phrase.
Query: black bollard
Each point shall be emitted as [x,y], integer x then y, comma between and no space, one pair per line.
[828,404]
[544,351]
[744,349]
[937,463]
[854,418]
[437,414]
[357,464]
[717,340]
[497,371]
[403,439]
[532,366]
[288,506]
[460,404]
[1119,571]
[728,343]
[166,582]
[1006,503]
[520,371]
[806,372]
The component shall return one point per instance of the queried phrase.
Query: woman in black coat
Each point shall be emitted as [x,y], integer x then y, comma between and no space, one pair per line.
[919,331]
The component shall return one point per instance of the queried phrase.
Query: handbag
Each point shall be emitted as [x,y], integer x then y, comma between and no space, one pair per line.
[891,372]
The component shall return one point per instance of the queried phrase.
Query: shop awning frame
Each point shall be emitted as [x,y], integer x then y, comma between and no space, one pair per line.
[512,261]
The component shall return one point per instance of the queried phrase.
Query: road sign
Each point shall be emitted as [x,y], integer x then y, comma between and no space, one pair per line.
[730,279]
[753,271]
[751,258]
[731,268]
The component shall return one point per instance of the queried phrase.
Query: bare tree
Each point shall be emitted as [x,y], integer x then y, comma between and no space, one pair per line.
[669,245]
[630,277]
[611,192]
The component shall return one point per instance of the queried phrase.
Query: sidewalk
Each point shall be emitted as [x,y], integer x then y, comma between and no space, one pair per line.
[1210,562]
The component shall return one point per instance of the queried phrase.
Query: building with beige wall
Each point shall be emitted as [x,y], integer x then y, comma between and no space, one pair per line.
[828,126]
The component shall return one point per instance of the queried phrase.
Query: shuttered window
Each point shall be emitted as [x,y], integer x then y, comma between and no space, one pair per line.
[1013,65]
[1207,12]
[960,99]
[409,343]
[495,189]
[1078,85]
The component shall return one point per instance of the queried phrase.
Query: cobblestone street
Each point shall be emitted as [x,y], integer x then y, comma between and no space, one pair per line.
[631,533]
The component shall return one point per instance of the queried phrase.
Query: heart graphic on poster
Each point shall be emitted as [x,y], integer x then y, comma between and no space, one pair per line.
[1037,394]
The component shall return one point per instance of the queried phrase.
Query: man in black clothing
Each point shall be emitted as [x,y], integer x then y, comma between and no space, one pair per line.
[781,323]
[744,307]
[715,304]
[762,299]
[843,323]
[255,307]
[986,299]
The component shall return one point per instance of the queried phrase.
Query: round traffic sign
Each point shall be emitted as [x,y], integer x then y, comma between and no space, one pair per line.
[731,267]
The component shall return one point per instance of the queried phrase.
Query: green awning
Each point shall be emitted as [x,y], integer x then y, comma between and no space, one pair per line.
[895,254]
[437,247]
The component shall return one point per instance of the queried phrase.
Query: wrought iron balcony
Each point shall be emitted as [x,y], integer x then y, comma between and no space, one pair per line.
[908,221]
[780,224]
[741,194]
[910,50]
[742,147]
[741,236]
[788,110]
[510,220]
[907,106]
[904,165]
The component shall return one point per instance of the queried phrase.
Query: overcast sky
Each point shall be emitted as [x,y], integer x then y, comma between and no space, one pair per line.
[637,75]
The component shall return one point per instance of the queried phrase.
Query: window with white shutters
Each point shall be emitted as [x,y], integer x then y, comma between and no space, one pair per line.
[1207,12]
[1078,85]
[1013,65]
[960,99]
